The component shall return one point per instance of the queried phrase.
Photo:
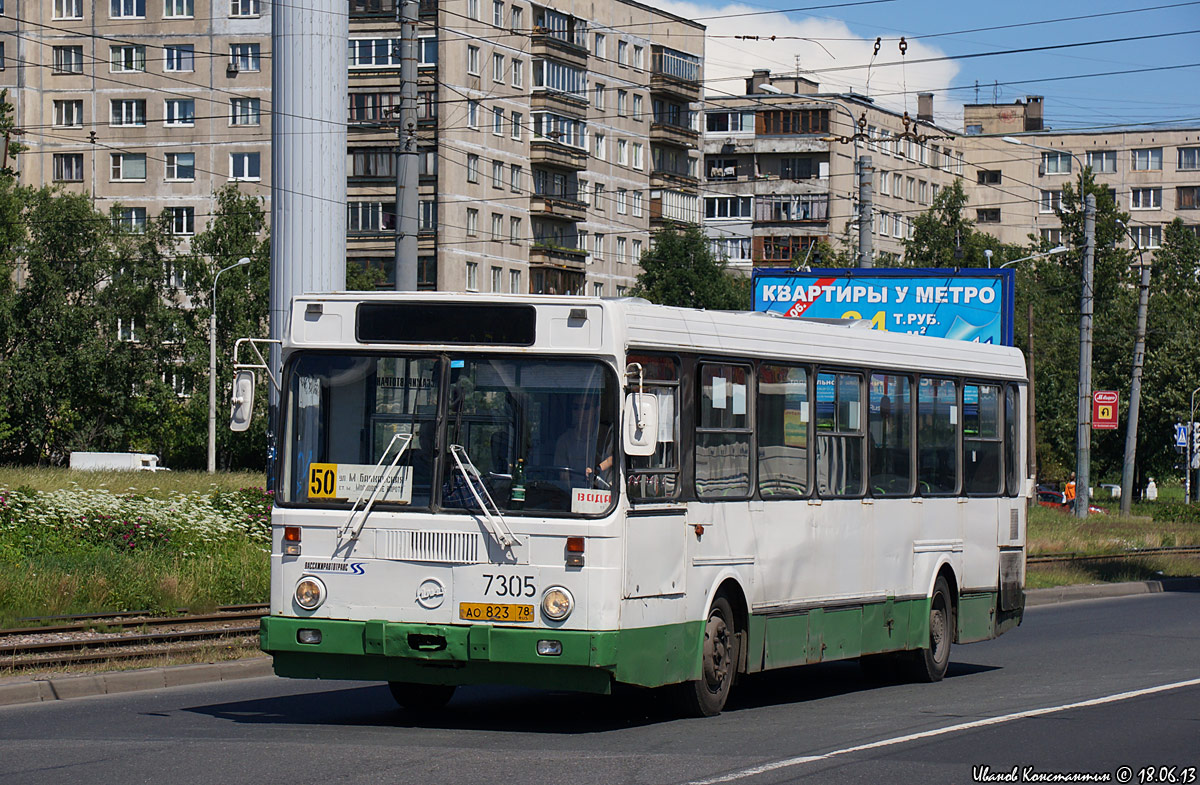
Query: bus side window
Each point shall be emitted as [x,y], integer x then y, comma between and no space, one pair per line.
[723,432]
[981,439]
[783,422]
[891,430]
[1011,441]
[657,476]
[937,436]
[840,434]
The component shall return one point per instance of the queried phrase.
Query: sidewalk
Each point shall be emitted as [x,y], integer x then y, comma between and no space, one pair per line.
[19,689]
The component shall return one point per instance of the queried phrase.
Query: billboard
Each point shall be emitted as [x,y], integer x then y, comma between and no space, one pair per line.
[968,305]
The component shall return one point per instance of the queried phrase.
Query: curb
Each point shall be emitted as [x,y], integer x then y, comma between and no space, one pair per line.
[1095,591]
[70,687]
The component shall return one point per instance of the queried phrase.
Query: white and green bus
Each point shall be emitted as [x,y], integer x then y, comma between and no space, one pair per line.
[572,493]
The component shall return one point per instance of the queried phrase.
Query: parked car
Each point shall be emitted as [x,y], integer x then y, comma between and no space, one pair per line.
[1058,500]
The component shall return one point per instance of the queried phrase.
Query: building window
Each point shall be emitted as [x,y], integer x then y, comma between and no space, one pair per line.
[637,162]
[1056,163]
[1145,199]
[1052,236]
[1189,158]
[637,107]
[910,188]
[127,9]
[244,166]
[497,121]
[600,147]
[179,58]
[472,114]
[1051,202]
[68,9]
[1147,236]
[514,178]
[374,52]
[181,166]
[622,201]
[1102,161]
[516,126]
[514,281]
[472,276]
[128,112]
[472,222]
[497,226]
[989,177]
[622,52]
[598,50]
[727,207]
[372,163]
[127,330]
[990,216]
[473,60]
[635,204]
[68,167]
[598,245]
[1187,197]
[598,197]
[498,67]
[622,152]
[497,174]
[124,59]
[427,215]
[68,114]
[498,13]
[130,219]
[244,8]
[128,166]
[518,72]
[517,18]
[244,111]
[497,278]
[791,121]
[426,51]
[639,57]
[68,59]
[370,217]
[178,9]
[598,95]
[1147,159]
[179,112]
[473,9]
[183,220]
[622,249]
[244,57]
[472,168]
[514,230]
[622,102]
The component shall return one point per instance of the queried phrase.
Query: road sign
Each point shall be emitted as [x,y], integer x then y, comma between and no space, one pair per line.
[1104,410]
[1181,432]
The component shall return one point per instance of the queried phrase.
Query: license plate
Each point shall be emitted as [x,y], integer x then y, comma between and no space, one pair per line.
[483,611]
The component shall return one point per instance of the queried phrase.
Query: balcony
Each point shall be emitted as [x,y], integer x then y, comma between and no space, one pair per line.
[546,254]
[674,73]
[548,206]
[566,104]
[673,208]
[544,43]
[548,153]
[678,135]
[670,178]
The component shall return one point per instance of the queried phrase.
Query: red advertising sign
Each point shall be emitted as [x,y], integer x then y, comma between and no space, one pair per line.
[1104,410]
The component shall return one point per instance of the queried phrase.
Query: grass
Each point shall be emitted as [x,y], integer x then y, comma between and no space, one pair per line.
[236,649]
[153,484]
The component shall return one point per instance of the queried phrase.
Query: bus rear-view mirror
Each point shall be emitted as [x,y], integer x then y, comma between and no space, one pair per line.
[640,424]
[243,401]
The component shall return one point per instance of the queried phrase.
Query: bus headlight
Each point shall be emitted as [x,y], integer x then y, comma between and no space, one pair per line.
[557,603]
[310,592]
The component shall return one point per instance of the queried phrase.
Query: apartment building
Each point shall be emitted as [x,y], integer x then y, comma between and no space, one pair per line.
[147,104]
[1020,169]
[552,140]
[780,170]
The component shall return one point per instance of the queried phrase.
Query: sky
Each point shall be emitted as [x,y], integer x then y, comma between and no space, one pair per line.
[826,37]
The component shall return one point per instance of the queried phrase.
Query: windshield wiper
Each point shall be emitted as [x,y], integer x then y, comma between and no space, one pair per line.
[350,531]
[495,522]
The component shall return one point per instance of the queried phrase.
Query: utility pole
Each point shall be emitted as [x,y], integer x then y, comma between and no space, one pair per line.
[1135,390]
[866,211]
[407,200]
[1030,405]
[1083,433]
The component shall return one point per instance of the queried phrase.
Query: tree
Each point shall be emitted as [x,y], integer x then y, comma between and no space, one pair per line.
[680,270]
[943,237]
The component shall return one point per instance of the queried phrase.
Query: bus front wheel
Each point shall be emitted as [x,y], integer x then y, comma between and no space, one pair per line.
[418,697]
[706,696]
[929,664]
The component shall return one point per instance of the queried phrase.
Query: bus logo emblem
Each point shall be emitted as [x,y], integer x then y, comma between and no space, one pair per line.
[430,593]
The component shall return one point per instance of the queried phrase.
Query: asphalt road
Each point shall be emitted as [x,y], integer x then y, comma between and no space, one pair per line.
[816,724]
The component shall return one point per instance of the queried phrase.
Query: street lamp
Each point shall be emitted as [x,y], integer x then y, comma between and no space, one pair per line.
[1038,255]
[212,367]
[1135,383]
[1083,436]
[1187,471]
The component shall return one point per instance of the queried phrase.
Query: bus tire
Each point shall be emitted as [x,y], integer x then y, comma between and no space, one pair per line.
[929,664]
[706,696]
[421,697]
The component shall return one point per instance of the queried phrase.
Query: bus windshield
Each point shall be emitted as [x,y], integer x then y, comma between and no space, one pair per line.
[540,432]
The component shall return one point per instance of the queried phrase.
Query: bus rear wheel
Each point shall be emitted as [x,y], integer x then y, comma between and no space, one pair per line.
[418,697]
[706,696]
[929,664]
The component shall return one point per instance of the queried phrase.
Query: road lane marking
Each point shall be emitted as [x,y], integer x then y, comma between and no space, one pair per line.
[1020,715]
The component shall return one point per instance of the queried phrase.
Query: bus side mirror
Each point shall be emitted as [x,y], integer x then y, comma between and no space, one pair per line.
[640,424]
[243,401]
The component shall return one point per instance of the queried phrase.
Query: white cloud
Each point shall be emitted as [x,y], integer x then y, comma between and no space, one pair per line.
[728,61]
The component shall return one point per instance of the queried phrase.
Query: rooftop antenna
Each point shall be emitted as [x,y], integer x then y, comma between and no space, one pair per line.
[976,91]
[996,91]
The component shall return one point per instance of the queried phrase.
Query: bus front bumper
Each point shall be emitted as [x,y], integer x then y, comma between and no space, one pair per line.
[480,654]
